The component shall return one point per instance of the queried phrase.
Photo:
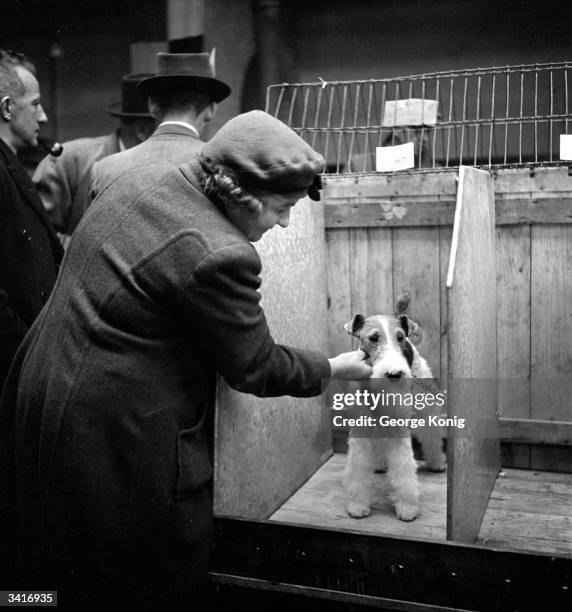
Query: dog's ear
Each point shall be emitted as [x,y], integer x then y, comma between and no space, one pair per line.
[411,328]
[354,326]
[405,323]
[402,302]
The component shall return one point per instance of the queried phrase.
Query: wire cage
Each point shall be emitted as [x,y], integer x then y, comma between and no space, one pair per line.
[500,116]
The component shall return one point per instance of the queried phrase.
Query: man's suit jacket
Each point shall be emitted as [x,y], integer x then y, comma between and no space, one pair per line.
[64,182]
[157,294]
[169,142]
[29,255]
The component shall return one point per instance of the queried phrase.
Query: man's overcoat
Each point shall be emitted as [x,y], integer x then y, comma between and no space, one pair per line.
[113,416]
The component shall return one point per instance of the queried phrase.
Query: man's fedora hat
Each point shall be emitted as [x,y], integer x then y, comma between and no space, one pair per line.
[188,70]
[132,103]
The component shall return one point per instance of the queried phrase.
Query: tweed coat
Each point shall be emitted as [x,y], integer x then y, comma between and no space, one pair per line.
[29,256]
[169,142]
[64,182]
[158,293]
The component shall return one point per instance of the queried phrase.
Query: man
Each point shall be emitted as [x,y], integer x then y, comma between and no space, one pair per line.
[64,181]
[158,293]
[29,249]
[183,95]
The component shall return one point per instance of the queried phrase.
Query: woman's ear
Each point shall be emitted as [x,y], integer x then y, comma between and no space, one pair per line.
[6,108]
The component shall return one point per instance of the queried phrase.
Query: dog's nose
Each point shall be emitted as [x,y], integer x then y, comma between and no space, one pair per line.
[397,374]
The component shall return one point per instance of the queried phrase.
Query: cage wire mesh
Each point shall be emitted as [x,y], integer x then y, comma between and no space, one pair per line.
[503,116]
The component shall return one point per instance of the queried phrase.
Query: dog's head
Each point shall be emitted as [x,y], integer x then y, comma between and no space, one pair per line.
[384,338]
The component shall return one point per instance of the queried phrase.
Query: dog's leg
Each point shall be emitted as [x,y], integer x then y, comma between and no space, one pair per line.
[358,476]
[402,474]
[431,439]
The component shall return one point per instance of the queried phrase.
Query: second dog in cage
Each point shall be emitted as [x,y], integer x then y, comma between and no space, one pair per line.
[387,341]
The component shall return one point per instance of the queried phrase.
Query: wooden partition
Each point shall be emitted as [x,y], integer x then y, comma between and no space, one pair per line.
[266,448]
[390,232]
[473,445]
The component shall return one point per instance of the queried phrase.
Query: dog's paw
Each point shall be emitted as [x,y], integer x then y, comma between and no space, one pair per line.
[357,510]
[406,512]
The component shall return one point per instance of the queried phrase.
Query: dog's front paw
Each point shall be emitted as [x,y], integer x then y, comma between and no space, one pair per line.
[357,510]
[406,512]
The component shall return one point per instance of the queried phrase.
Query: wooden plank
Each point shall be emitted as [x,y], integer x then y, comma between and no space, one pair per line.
[406,211]
[536,431]
[322,502]
[473,452]
[371,272]
[294,299]
[551,329]
[445,237]
[513,330]
[416,269]
[343,563]
[338,287]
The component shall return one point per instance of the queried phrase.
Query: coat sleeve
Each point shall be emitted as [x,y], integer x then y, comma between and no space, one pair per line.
[233,332]
[56,181]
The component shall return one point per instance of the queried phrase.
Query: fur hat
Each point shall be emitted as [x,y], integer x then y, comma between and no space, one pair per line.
[265,153]
[189,70]
[132,104]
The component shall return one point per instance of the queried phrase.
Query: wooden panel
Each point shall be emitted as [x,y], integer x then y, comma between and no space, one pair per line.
[536,432]
[338,287]
[416,269]
[265,448]
[513,330]
[393,573]
[445,237]
[551,329]
[473,452]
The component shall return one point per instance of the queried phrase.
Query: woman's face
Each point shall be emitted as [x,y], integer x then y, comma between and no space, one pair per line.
[275,211]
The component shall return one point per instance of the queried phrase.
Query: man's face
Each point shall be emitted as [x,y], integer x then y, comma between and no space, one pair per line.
[275,211]
[27,112]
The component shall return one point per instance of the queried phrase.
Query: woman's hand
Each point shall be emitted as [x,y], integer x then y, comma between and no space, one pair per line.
[351,366]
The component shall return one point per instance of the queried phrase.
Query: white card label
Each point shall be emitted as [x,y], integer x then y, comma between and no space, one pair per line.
[566,147]
[390,159]
[411,111]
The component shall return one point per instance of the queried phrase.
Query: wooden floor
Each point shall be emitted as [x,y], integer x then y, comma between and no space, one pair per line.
[527,511]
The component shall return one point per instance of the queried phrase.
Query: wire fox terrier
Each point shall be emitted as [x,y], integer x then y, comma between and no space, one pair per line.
[386,340]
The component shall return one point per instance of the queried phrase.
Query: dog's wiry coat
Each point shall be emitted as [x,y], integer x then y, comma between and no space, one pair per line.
[386,341]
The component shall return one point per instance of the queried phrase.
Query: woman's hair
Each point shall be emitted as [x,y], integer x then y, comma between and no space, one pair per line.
[221,185]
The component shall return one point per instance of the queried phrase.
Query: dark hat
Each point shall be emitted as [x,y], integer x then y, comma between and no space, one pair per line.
[265,153]
[194,71]
[132,103]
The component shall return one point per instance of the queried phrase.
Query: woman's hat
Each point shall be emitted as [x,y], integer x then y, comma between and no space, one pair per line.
[266,154]
[132,104]
[194,71]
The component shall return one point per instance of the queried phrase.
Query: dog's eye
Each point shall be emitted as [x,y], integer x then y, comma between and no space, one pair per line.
[373,337]
[400,336]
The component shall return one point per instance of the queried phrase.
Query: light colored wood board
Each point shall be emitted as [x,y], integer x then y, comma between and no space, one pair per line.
[513,320]
[551,323]
[536,431]
[322,500]
[445,237]
[416,269]
[420,185]
[473,452]
[339,294]
[530,510]
[540,181]
[265,448]
[371,272]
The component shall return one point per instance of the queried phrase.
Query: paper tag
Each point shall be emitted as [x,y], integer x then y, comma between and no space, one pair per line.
[411,111]
[390,159]
[566,147]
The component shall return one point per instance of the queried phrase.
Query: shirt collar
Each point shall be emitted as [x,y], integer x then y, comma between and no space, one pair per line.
[184,124]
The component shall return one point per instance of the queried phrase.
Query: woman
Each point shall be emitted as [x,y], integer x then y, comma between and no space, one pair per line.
[110,401]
